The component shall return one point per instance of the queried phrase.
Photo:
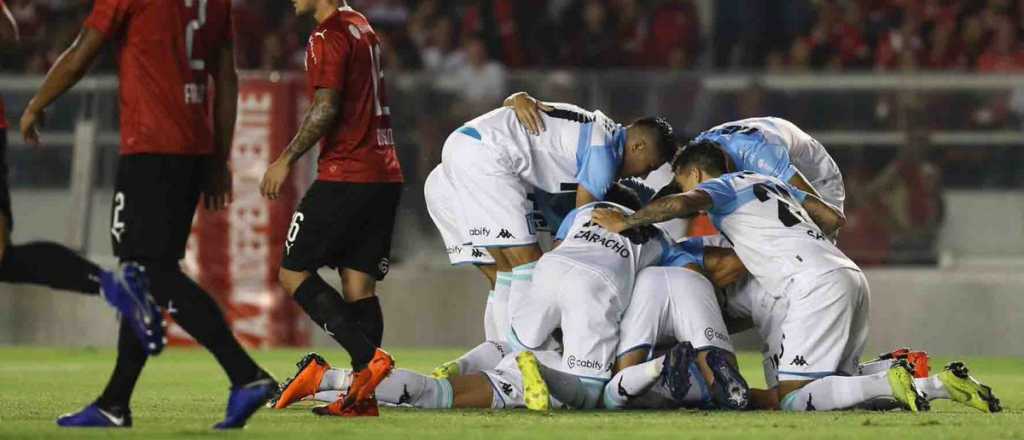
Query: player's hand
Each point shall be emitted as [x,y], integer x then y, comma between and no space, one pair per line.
[217,191]
[528,110]
[274,179]
[610,219]
[30,122]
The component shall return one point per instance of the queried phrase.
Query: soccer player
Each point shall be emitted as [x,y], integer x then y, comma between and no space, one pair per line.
[817,296]
[493,161]
[675,305]
[778,148]
[34,263]
[171,158]
[347,216]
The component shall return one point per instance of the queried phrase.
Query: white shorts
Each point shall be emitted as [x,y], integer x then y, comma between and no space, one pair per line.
[491,204]
[507,380]
[669,305]
[583,303]
[441,204]
[816,329]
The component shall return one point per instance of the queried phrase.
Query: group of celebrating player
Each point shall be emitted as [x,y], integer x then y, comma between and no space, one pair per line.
[620,313]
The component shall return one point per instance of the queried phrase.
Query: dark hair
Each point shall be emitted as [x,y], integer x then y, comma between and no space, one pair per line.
[624,195]
[664,136]
[704,154]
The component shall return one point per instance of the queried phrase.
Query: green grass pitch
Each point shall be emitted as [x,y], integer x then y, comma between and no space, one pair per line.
[183,392]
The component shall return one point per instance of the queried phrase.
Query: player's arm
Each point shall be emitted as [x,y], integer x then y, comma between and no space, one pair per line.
[528,111]
[8,27]
[65,73]
[217,193]
[828,218]
[583,196]
[664,209]
[320,117]
[722,266]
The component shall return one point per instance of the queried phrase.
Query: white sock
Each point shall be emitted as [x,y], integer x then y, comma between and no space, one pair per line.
[522,282]
[336,379]
[632,382]
[499,306]
[327,396]
[838,392]
[412,388]
[931,387]
[491,330]
[485,356]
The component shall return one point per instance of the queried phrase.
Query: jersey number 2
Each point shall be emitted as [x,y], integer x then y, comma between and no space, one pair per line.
[190,33]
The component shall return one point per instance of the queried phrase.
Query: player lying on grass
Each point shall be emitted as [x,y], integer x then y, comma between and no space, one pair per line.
[813,296]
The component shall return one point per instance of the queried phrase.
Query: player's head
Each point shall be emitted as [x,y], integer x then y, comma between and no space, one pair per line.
[307,6]
[697,162]
[624,195]
[649,144]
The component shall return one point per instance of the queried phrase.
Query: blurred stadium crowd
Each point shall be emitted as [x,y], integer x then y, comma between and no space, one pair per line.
[446,35]
[465,56]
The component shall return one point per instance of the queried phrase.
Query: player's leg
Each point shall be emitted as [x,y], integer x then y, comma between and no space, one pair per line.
[43,263]
[535,314]
[825,331]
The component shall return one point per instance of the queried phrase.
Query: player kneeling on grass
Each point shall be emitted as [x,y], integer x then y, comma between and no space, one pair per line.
[779,233]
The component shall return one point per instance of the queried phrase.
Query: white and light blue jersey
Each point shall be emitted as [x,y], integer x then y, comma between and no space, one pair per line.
[614,256]
[770,230]
[778,148]
[577,147]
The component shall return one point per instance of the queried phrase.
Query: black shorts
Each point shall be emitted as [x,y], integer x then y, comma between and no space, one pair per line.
[155,197]
[5,189]
[343,225]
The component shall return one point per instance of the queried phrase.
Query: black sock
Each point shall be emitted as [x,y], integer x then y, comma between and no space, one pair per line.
[199,315]
[371,319]
[52,265]
[326,307]
[130,360]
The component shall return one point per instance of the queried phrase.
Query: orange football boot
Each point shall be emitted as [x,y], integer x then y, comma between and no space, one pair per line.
[366,408]
[305,383]
[918,360]
[365,381]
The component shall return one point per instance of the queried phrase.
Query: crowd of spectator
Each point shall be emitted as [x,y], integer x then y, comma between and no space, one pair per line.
[441,35]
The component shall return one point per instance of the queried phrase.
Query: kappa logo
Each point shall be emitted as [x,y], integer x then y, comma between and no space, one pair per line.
[505,234]
[477,253]
[405,398]
[506,388]
[810,406]
[798,361]
[480,232]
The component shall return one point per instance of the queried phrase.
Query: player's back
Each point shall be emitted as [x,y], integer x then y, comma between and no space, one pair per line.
[770,231]
[344,54]
[552,158]
[165,51]
[613,255]
[757,144]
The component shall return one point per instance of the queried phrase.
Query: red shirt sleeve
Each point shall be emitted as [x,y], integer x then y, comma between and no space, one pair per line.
[108,16]
[228,30]
[330,52]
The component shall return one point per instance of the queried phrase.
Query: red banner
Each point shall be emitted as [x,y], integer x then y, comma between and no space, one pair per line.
[235,254]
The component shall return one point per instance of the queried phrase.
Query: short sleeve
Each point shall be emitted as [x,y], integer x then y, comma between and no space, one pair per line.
[330,56]
[598,163]
[108,16]
[563,229]
[686,252]
[723,195]
[771,160]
